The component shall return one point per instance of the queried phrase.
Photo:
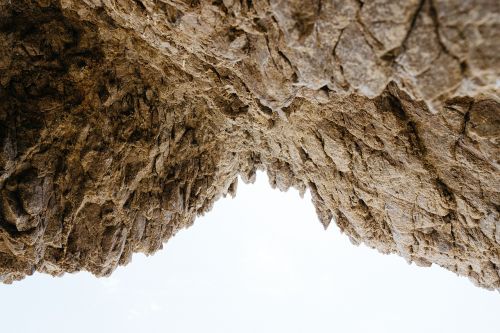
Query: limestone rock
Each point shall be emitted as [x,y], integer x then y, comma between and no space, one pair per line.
[122,120]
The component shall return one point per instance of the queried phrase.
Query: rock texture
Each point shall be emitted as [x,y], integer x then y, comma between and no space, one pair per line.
[122,120]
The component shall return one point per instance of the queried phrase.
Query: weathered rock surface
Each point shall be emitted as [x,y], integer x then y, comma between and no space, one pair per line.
[122,120]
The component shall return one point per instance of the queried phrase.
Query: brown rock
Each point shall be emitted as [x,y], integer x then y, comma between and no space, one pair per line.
[121,121]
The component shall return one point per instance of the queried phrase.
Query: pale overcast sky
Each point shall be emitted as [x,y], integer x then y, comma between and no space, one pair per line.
[258,263]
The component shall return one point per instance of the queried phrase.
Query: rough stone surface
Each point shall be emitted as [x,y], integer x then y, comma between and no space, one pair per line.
[122,120]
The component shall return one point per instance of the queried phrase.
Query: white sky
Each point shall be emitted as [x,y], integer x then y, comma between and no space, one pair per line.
[258,263]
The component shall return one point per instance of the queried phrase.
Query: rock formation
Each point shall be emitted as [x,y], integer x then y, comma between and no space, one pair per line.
[122,120]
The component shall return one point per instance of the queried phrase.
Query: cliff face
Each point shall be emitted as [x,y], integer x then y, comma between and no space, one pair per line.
[122,120]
